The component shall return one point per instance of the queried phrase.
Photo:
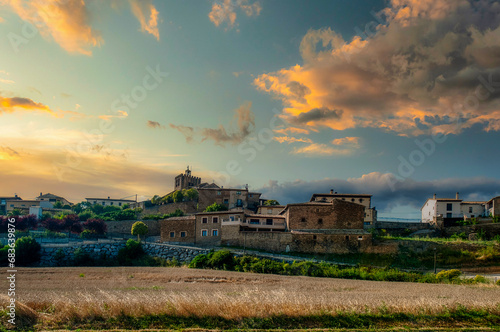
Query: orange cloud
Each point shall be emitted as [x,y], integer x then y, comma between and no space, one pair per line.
[147,14]
[425,59]
[18,103]
[288,139]
[225,11]
[67,22]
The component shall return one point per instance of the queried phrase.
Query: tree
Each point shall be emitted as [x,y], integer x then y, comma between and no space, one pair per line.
[216,207]
[27,250]
[139,228]
[58,205]
[271,202]
[177,196]
[156,200]
[15,213]
[191,194]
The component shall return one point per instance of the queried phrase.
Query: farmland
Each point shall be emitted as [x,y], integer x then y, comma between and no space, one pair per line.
[138,297]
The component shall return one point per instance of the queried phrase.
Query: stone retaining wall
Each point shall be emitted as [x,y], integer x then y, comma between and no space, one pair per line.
[49,253]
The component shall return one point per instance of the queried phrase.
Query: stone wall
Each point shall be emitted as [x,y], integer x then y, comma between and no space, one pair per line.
[177,225]
[491,229]
[110,250]
[414,226]
[186,207]
[337,215]
[125,226]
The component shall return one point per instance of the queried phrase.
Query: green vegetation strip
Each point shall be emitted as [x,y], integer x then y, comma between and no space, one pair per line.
[225,260]
[457,318]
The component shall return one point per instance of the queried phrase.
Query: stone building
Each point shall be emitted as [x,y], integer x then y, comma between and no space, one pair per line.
[186,180]
[370,213]
[492,207]
[179,230]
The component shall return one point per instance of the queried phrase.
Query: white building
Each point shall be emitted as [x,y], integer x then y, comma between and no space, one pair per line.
[363,199]
[451,208]
[109,201]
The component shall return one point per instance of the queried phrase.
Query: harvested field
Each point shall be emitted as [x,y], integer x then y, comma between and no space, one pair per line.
[65,295]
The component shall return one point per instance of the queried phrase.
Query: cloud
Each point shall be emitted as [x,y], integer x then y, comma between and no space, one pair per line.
[243,124]
[67,22]
[8,105]
[409,193]
[225,11]
[288,139]
[420,59]
[347,141]
[238,73]
[293,130]
[147,14]
[340,147]
[7,153]
[154,125]
[119,114]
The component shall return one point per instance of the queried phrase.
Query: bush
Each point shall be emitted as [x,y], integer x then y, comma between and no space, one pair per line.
[448,275]
[59,256]
[4,251]
[27,251]
[82,258]
[199,262]
[96,225]
[88,234]
[132,251]
[221,260]
[480,279]
[498,282]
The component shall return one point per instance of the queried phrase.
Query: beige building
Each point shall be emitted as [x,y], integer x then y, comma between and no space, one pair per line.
[51,198]
[270,209]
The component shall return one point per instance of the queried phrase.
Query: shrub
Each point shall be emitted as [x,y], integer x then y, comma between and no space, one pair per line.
[27,250]
[480,279]
[88,234]
[221,260]
[82,258]
[448,275]
[216,207]
[59,256]
[498,282]
[199,262]
[96,225]
[132,251]
[53,225]
[4,251]
[85,215]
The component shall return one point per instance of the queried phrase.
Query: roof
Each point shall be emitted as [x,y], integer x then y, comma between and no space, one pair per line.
[50,195]
[271,206]
[265,216]
[471,202]
[11,198]
[220,212]
[441,200]
[207,185]
[497,197]
[191,217]
[110,199]
[331,231]
[343,195]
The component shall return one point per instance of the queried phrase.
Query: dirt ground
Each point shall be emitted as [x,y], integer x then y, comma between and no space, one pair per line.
[163,284]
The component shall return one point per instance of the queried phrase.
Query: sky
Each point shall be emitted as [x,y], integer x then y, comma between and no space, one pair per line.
[395,98]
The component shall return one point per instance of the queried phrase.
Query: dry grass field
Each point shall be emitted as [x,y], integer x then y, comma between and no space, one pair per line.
[59,296]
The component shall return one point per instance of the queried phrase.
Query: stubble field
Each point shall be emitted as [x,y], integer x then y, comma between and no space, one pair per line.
[80,297]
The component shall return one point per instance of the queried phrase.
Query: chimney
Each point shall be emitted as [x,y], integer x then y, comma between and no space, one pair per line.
[15,195]
[434,197]
[457,195]
[331,191]
[40,193]
[108,197]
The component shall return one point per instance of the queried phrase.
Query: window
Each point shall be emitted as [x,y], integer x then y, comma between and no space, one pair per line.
[470,209]
[23,205]
[183,234]
[347,237]
[352,199]
[238,193]
[219,193]
[215,232]
[320,221]
[231,218]
[111,203]
[254,221]
[239,202]
[314,237]
[360,238]
[448,215]
[215,220]
[204,220]
[361,200]
[204,232]
[367,223]
[172,234]
[12,205]
[303,220]
[3,201]
[95,202]
[226,201]
[269,222]
[119,204]
[270,211]
[449,207]
[251,195]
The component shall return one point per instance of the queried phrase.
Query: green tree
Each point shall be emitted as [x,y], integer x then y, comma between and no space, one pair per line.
[139,228]
[177,196]
[216,207]
[27,250]
[191,194]
[270,202]
[58,205]
[156,200]
[15,213]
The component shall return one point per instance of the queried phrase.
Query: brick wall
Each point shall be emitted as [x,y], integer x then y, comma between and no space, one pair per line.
[337,215]
[178,225]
